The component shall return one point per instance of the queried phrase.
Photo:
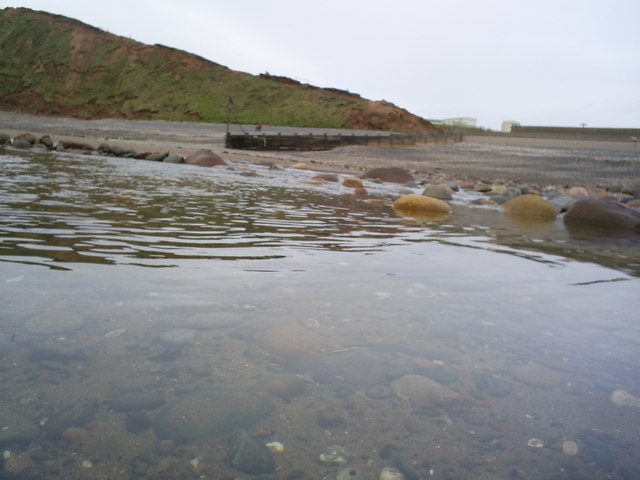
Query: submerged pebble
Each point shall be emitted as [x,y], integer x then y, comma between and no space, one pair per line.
[570,447]
[388,473]
[621,398]
[334,455]
[535,443]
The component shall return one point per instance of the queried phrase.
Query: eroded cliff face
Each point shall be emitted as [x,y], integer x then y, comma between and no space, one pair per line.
[54,65]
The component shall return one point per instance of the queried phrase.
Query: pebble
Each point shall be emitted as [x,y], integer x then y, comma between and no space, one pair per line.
[275,447]
[535,443]
[115,333]
[388,473]
[570,447]
[621,398]
[334,455]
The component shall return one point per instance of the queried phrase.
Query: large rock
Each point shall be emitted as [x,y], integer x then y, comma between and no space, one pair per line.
[389,174]
[16,428]
[249,455]
[77,414]
[291,341]
[414,203]
[537,376]
[210,412]
[204,158]
[421,391]
[115,150]
[443,192]
[602,215]
[25,137]
[363,368]
[530,206]
[326,177]
[287,386]
[54,323]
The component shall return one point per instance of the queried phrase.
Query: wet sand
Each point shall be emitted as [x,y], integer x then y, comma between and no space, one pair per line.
[614,166]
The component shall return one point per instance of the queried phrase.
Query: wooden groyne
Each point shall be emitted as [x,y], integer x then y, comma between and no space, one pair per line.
[310,141]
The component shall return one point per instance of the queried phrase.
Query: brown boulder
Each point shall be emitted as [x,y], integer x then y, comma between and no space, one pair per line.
[204,158]
[421,391]
[352,182]
[389,174]
[326,177]
[414,203]
[531,206]
[602,215]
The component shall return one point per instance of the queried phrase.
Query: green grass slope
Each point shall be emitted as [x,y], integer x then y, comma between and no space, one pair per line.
[53,65]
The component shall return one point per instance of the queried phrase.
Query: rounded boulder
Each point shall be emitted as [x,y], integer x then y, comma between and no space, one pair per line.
[204,158]
[442,192]
[531,206]
[602,215]
[414,203]
[389,174]
[213,411]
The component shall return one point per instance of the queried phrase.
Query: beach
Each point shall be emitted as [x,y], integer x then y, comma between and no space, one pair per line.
[543,162]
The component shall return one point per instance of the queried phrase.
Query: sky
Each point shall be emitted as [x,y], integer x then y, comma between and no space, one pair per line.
[538,62]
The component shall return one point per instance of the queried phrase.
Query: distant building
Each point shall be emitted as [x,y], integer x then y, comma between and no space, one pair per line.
[466,122]
[508,124]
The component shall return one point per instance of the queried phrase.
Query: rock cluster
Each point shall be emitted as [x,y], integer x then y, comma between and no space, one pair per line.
[583,212]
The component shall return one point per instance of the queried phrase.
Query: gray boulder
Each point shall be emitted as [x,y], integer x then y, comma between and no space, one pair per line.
[213,411]
[16,428]
[249,455]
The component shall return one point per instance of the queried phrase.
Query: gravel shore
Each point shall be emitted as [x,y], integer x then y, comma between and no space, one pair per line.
[614,166]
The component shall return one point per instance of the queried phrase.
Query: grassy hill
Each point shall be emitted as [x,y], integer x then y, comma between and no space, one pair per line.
[54,65]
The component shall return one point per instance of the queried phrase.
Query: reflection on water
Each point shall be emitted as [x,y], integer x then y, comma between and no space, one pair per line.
[347,339]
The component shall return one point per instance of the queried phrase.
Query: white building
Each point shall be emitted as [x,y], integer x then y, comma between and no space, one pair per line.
[466,122]
[507,124]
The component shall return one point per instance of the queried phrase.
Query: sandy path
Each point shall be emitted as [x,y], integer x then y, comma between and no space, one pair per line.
[538,161]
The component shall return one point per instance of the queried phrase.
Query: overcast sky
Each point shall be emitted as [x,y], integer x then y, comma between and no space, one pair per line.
[539,62]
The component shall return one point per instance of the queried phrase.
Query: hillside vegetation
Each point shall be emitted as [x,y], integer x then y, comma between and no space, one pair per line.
[53,65]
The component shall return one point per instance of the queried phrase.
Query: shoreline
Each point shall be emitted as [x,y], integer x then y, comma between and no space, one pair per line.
[484,159]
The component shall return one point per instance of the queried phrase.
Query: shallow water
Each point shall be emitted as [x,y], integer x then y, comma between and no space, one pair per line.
[319,302]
